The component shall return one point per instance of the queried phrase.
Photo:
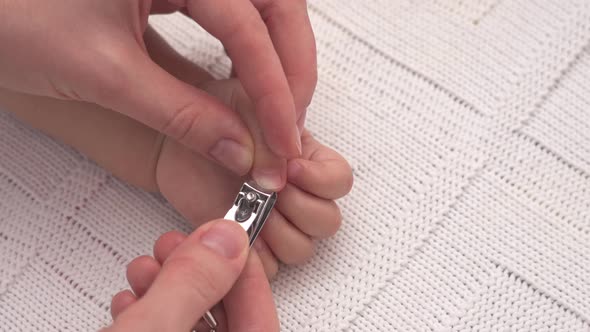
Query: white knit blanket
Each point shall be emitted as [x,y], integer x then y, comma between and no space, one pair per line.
[467,124]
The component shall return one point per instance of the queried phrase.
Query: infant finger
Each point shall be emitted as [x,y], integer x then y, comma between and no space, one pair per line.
[166,244]
[141,273]
[287,242]
[328,179]
[121,301]
[269,261]
[316,217]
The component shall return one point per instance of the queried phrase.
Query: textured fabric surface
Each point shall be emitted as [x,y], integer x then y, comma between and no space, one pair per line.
[467,124]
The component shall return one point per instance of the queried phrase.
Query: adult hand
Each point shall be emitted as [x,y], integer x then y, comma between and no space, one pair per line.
[189,275]
[92,50]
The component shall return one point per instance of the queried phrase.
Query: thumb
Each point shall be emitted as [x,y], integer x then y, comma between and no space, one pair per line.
[195,277]
[268,170]
[140,89]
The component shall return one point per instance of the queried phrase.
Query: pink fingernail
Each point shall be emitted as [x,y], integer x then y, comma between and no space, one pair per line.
[269,179]
[234,156]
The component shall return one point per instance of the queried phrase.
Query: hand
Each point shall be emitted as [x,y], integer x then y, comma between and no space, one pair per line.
[305,208]
[198,188]
[92,50]
[189,275]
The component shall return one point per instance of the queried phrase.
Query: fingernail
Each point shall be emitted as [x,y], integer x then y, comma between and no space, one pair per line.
[226,239]
[298,141]
[232,155]
[294,168]
[269,179]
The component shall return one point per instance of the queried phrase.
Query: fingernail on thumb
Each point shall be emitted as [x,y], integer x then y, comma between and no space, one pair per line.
[232,155]
[226,239]
[269,179]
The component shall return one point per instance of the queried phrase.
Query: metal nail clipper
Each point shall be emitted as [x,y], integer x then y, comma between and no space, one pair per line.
[250,209]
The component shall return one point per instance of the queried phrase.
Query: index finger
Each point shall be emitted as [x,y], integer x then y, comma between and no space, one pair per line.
[239,26]
[249,305]
[292,35]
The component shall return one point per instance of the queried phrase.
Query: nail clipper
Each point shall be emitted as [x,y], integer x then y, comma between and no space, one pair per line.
[250,209]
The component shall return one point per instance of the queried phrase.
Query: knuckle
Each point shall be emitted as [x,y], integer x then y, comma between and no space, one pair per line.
[108,76]
[137,263]
[183,122]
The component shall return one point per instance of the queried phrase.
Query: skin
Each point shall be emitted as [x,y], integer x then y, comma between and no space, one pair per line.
[143,157]
[140,155]
[94,51]
[187,278]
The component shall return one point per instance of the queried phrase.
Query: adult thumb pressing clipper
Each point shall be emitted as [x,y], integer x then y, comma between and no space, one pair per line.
[190,274]
[251,209]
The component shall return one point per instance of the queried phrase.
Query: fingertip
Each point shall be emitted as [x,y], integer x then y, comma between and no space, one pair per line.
[333,224]
[121,301]
[347,180]
[267,257]
[344,175]
[281,237]
[294,169]
[314,216]
[141,273]
[328,179]
[166,244]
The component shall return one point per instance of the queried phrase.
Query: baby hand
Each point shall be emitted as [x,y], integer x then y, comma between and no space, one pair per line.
[201,191]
